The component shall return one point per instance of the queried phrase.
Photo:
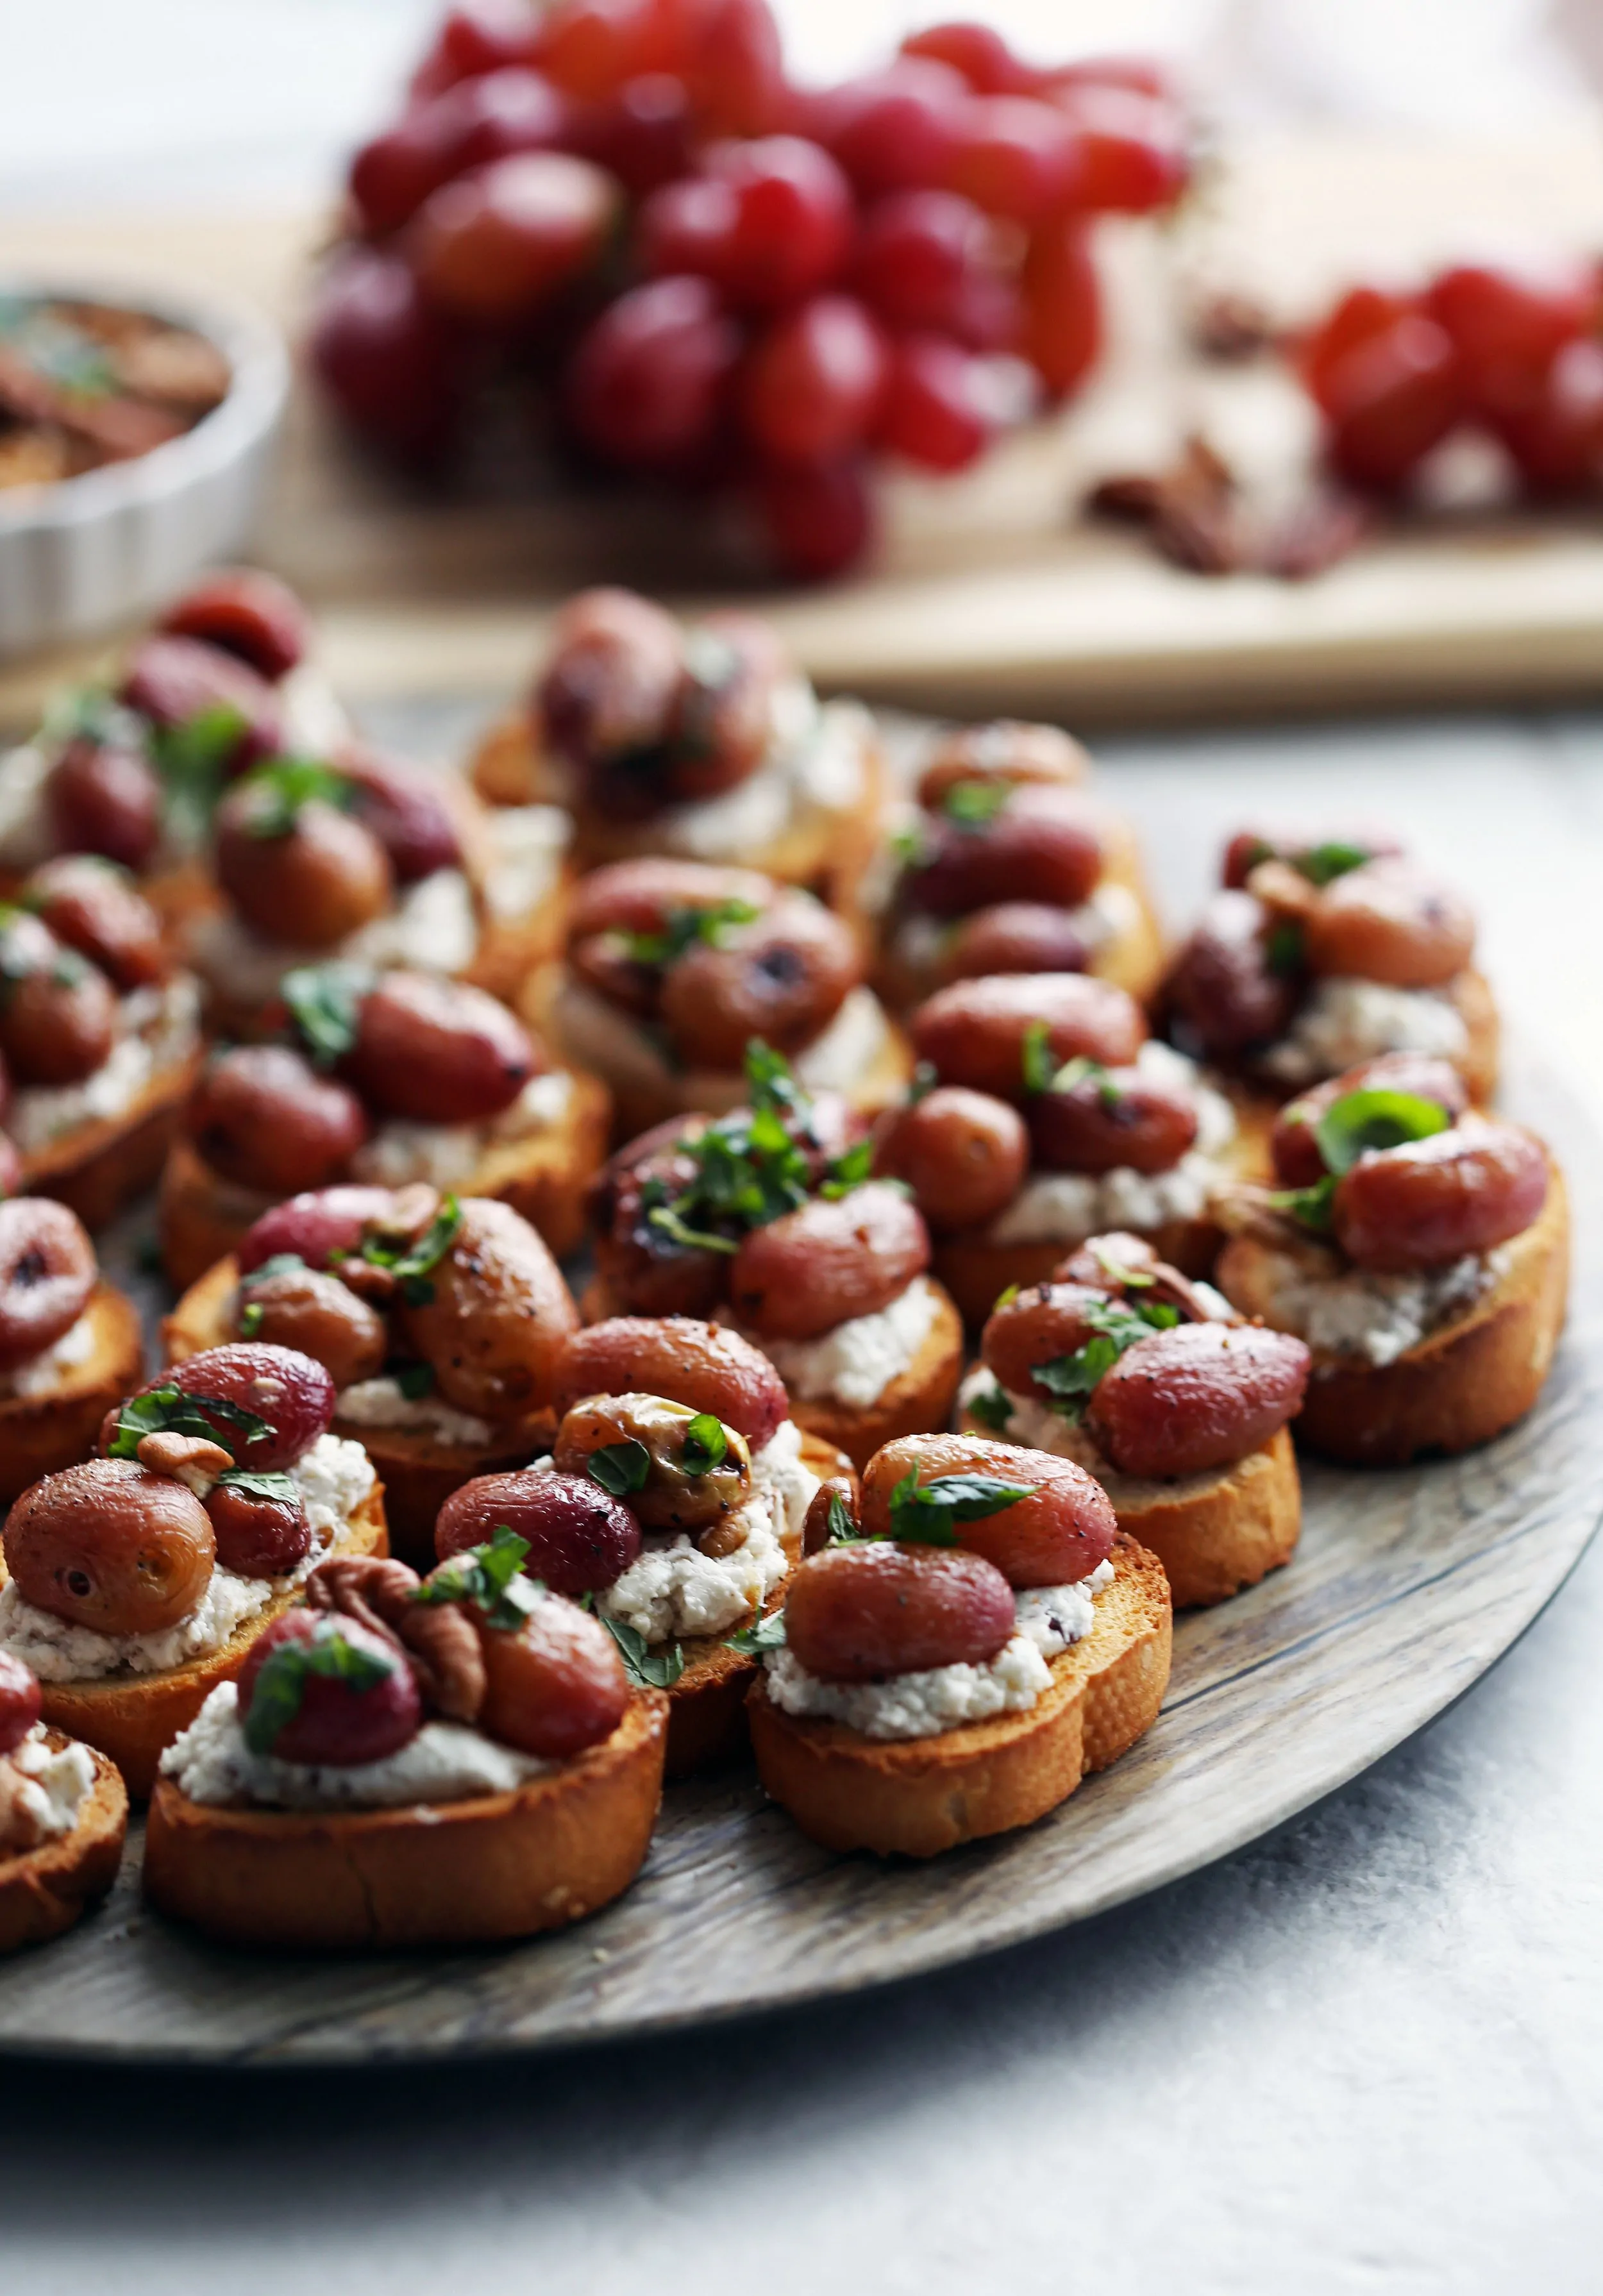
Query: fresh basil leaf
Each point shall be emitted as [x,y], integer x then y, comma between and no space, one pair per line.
[410,1262]
[1375,1118]
[989,1405]
[974,805]
[490,1576]
[1283,947]
[282,1263]
[620,1468]
[250,1319]
[191,758]
[262,1483]
[324,1005]
[1071,1380]
[684,928]
[279,1690]
[843,1530]
[170,1410]
[1322,864]
[927,1513]
[1036,1062]
[766,1634]
[910,845]
[706,1445]
[415,1380]
[768,1079]
[648,1668]
[1309,1207]
[283,786]
[848,1170]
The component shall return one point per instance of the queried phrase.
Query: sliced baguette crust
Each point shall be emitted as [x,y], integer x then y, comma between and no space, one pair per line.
[40,1434]
[977,1272]
[202,1218]
[132,1719]
[1465,1382]
[417,1471]
[454,1874]
[43,1891]
[103,1166]
[1213,1534]
[914,1798]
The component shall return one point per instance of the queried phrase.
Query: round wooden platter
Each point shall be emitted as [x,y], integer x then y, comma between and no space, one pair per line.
[1406,1588]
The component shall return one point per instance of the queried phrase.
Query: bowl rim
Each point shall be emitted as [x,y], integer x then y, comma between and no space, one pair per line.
[259,361]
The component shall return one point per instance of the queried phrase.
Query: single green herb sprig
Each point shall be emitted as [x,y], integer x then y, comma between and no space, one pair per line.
[324,1005]
[262,1483]
[283,786]
[843,1530]
[411,1263]
[974,805]
[1070,1380]
[620,1468]
[751,1166]
[1370,1120]
[279,1690]
[763,1635]
[927,1514]
[706,1445]
[989,1405]
[647,1667]
[491,1576]
[1322,865]
[1036,1064]
[684,928]
[171,1410]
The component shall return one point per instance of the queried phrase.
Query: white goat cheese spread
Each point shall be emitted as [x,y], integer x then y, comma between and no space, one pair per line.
[1344,1020]
[381,1403]
[925,1705]
[601,1037]
[448,1155]
[55,1782]
[672,1588]
[446,1761]
[157,1028]
[529,844]
[1066,1207]
[315,723]
[43,1373]
[334,1477]
[433,928]
[778,1468]
[858,1360]
[25,839]
[814,762]
[1380,1317]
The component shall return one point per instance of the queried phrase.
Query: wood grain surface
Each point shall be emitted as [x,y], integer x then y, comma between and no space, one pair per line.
[988,592]
[1406,1588]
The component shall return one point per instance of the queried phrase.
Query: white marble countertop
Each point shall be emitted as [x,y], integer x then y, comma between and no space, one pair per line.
[1364,2054]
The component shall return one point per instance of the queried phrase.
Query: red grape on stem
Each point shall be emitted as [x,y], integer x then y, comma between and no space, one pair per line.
[977,51]
[385,357]
[819,519]
[934,411]
[495,244]
[1390,400]
[811,388]
[646,385]
[1014,157]
[1133,156]
[1063,305]
[894,130]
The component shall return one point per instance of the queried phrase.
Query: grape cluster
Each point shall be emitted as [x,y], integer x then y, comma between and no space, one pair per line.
[702,275]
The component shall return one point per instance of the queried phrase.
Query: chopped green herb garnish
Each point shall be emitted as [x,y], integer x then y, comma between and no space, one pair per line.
[620,1468]
[706,1445]
[415,1380]
[1322,864]
[490,1576]
[989,1405]
[262,1483]
[684,928]
[280,1263]
[1310,1207]
[763,1635]
[843,1530]
[928,1513]
[279,1687]
[1283,947]
[1070,1380]
[410,1263]
[648,1668]
[250,1319]
[286,784]
[170,1410]
[325,1003]
[848,1170]
[1035,1057]
[972,805]
[1374,1119]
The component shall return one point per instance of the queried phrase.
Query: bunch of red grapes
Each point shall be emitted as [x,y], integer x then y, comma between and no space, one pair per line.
[709,277]
[1514,354]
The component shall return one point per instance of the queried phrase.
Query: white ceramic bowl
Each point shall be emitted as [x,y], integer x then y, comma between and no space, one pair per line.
[83,554]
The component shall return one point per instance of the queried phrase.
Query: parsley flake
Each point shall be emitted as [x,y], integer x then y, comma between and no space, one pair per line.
[684,928]
[620,1468]
[324,1005]
[1116,1324]
[171,1410]
[278,1694]
[974,805]
[490,1576]
[927,1513]
[989,1405]
[283,786]
[764,1634]
[646,1668]
[1036,1062]
[705,1447]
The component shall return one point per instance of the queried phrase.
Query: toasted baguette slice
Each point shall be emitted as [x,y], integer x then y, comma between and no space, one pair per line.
[202,1218]
[706,1706]
[1214,1533]
[132,1718]
[826,849]
[99,1167]
[477,1872]
[418,1471]
[976,1272]
[1466,1381]
[39,1434]
[917,1402]
[914,1798]
[43,1891]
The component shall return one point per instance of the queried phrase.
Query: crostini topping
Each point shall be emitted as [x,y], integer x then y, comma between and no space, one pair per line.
[109,1547]
[265,1405]
[707,1366]
[1373,1118]
[48,1273]
[20,1701]
[1070,1379]
[577,1538]
[927,1514]
[963,1154]
[323,1002]
[42,1790]
[323,1690]
[1199,1396]
[658,1455]
[859,1612]
[1055,1527]
[490,1576]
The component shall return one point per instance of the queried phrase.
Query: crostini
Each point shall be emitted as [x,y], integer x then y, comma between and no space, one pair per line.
[99,1033]
[439,1320]
[1320,955]
[1007,863]
[665,1516]
[137,1581]
[387,1077]
[673,967]
[1042,1114]
[1158,1388]
[70,1346]
[767,1219]
[63,1817]
[448,1761]
[956,1663]
[1422,1252]
[701,741]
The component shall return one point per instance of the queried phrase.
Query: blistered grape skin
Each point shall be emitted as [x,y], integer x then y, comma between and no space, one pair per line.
[20,1702]
[1221,985]
[1389,921]
[107,1546]
[1007,750]
[58,1019]
[1058,1533]
[105,799]
[1298,1163]
[612,678]
[440,1051]
[1432,1202]
[295,1395]
[963,1154]
[974,1032]
[1196,1398]
[1121,1119]
[259,1538]
[314,1225]
[1043,846]
[98,913]
[319,1316]
[639,896]
[494,1327]
[782,978]
[338,1723]
[48,1273]
[247,613]
[673,1496]
[261,1115]
[827,1262]
[580,1537]
[554,1687]
[1035,1328]
[324,879]
[404,810]
[859,1613]
[698,1363]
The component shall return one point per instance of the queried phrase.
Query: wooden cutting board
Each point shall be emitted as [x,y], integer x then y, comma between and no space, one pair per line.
[989,592]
